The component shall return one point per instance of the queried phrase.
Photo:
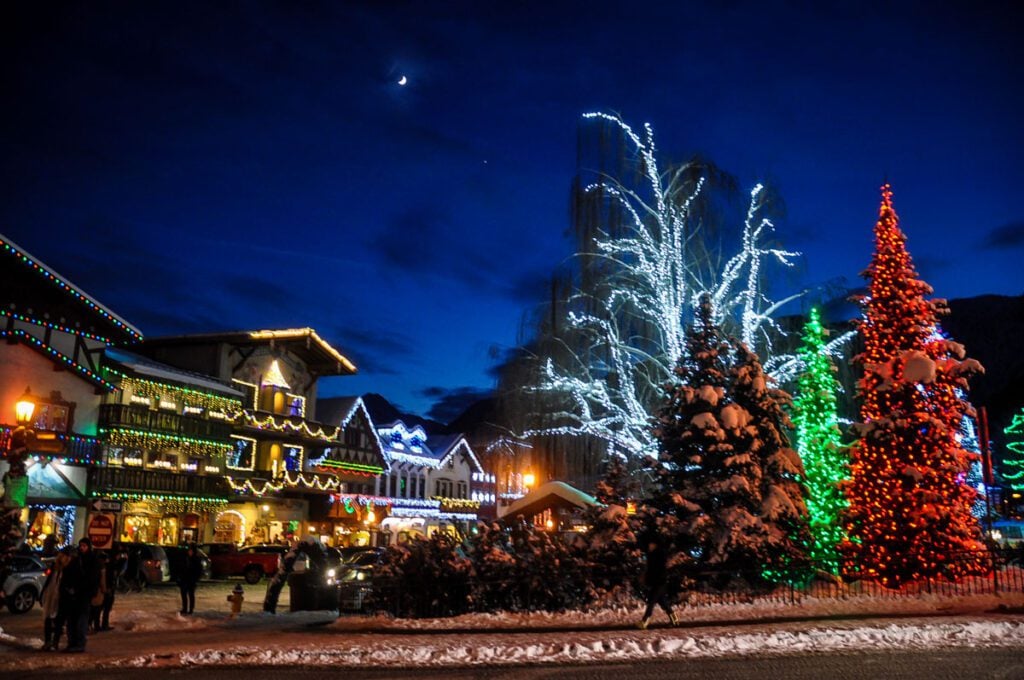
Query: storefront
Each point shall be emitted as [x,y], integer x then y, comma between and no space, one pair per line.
[56,504]
[267,520]
[163,519]
[348,520]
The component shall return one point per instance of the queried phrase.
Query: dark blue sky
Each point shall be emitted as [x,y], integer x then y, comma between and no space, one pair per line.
[215,166]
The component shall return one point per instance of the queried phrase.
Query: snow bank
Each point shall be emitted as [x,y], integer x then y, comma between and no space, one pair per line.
[572,648]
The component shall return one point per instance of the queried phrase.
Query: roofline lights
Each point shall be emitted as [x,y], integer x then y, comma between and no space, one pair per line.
[293,333]
[75,291]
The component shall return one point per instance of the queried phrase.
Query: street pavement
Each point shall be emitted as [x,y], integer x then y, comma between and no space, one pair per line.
[961,664]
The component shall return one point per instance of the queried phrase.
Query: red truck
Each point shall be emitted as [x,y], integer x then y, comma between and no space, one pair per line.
[253,561]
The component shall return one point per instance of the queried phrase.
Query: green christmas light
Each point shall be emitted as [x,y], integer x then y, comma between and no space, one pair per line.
[819,445]
[1013,465]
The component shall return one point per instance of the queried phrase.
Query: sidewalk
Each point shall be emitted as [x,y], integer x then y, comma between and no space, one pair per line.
[149,634]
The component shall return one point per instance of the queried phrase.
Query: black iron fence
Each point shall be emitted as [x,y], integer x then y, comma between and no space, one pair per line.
[452,595]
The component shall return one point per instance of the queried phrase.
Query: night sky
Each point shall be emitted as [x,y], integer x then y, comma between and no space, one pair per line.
[227,166]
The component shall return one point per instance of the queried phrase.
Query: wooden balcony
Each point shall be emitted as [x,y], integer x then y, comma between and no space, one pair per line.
[138,480]
[164,422]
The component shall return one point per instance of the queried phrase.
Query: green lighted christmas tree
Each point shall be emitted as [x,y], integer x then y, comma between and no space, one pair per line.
[1013,461]
[818,442]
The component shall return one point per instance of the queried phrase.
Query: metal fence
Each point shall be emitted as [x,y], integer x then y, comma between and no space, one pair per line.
[1000,572]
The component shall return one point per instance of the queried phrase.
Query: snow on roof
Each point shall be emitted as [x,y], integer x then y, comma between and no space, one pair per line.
[337,410]
[550,494]
[154,370]
[445,446]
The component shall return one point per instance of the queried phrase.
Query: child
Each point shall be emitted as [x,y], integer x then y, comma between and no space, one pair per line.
[236,598]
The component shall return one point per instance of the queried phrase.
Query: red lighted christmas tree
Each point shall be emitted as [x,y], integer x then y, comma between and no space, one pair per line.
[910,509]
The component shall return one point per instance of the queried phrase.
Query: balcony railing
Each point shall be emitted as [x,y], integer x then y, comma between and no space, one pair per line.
[166,422]
[74,447]
[104,479]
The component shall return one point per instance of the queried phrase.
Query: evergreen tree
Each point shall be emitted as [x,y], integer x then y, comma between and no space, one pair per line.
[1013,460]
[910,510]
[611,543]
[818,442]
[785,549]
[728,489]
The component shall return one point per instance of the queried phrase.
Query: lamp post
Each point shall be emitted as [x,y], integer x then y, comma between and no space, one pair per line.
[15,486]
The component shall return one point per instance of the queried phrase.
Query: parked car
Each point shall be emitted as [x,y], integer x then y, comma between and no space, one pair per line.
[368,557]
[147,565]
[252,562]
[176,557]
[25,583]
[355,588]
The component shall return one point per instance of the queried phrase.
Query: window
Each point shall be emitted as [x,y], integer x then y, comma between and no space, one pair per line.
[52,417]
[462,490]
[293,458]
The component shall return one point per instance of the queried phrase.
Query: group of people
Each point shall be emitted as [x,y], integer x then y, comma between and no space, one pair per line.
[79,592]
[78,595]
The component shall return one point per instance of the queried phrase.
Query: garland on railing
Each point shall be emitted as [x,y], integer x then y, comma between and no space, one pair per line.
[126,437]
[286,480]
[270,423]
[168,502]
[207,400]
[458,502]
[355,468]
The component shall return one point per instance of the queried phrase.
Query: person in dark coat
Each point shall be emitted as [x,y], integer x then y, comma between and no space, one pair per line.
[656,578]
[115,570]
[188,579]
[78,585]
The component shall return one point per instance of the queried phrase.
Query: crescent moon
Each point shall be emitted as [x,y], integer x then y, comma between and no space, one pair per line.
[403,80]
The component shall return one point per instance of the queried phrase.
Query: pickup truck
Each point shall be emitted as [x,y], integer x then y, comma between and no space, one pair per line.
[253,562]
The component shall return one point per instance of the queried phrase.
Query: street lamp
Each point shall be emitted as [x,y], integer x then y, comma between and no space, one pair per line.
[24,408]
[528,480]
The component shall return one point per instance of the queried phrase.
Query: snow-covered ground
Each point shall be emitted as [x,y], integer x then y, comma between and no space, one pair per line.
[149,632]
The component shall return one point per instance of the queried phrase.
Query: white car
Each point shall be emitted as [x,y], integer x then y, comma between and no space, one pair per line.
[25,584]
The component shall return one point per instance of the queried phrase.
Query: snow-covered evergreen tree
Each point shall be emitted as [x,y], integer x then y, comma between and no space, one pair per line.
[784,551]
[819,445]
[612,550]
[910,508]
[728,492]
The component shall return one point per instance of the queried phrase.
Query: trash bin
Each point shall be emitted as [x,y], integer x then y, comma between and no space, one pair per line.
[310,591]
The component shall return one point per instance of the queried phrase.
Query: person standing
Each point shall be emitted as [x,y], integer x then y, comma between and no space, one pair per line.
[78,585]
[96,604]
[53,622]
[191,572]
[115,570]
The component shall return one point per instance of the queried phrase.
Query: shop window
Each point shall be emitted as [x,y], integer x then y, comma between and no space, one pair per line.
[243,454]
[293,458]
[53,417]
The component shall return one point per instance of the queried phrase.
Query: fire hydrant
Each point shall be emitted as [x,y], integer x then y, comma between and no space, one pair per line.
[236,598]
